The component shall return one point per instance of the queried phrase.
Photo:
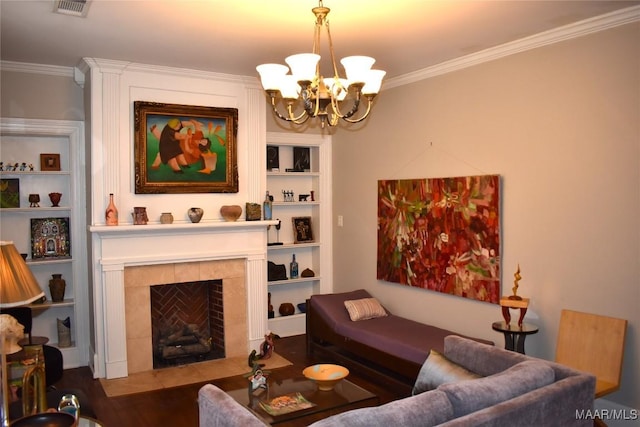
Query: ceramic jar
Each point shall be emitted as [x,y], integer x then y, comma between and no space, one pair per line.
[166,218]
[195,214]
[286,309]
[57,287]
[139,215]
[55,199]
[231,212]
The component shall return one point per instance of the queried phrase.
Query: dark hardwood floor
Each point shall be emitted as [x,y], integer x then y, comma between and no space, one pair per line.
[177,407]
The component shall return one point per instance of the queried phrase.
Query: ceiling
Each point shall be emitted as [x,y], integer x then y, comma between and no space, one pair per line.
[233,36]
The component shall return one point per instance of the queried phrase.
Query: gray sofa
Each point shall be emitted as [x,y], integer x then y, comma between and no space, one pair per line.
[513,390]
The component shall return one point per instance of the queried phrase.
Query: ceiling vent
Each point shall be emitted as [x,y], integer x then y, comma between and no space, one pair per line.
[72,7]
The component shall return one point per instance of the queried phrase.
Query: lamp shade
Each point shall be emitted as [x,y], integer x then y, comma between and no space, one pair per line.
[272,75]
[373,82]
[18,286]
[357,67]
[303,66]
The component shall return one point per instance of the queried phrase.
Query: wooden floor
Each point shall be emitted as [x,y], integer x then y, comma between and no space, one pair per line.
[177,407]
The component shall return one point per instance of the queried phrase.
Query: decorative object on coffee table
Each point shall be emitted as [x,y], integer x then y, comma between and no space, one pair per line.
[231,212]
[55,199]
[325,375]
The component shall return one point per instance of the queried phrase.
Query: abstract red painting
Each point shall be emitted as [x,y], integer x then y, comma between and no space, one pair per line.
[441,234]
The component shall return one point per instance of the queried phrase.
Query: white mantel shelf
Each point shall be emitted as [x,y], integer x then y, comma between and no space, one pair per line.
[177,227]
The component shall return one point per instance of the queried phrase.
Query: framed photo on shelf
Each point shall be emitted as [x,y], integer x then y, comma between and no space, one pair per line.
[50,238]
[273,158]
[301,159]
[302,230]
[49,162]
[185,149]
[10,193]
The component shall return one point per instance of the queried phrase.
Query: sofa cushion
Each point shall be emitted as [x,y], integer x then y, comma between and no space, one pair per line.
[424,410]
[472,395]
[365,308]
[438,370]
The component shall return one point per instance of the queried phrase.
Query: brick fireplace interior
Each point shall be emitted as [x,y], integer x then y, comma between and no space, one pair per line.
[187,323]
[138,281]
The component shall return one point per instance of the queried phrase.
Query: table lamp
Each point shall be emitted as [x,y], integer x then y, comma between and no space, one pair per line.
[18,287]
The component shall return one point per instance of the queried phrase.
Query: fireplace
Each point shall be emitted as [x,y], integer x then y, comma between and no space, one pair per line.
[187,323]
[132,259]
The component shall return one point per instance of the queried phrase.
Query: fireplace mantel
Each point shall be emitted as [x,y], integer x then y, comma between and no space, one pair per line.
[119,247]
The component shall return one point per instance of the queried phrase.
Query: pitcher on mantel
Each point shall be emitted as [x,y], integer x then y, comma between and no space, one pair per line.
[111,214]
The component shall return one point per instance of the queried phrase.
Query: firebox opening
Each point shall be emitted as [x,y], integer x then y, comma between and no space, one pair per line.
[187,323]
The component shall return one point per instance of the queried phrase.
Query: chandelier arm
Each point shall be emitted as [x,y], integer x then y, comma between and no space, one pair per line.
[297,120]
[364,116]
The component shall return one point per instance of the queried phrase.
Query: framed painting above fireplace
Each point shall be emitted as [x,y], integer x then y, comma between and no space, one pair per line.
[185,149]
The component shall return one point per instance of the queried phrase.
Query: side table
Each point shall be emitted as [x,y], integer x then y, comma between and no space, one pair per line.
[514,335]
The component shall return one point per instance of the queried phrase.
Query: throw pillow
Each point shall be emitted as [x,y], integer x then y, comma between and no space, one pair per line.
[437,370]
[365,308]
[470,396]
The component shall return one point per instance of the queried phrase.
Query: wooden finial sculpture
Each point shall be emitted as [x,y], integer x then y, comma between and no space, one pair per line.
[514,301]
[515,285]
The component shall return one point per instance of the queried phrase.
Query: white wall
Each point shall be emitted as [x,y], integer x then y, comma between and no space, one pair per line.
[561,125]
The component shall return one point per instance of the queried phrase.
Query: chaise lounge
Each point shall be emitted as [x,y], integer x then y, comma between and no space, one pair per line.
[377,342]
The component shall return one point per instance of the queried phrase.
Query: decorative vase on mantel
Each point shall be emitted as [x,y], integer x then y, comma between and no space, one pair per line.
[195,214]
[57,287]
[111,214]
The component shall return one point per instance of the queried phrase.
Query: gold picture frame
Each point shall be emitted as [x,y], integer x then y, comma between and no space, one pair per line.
[185,149]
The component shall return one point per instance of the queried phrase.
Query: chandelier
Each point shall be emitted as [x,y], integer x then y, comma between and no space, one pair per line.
[329,99]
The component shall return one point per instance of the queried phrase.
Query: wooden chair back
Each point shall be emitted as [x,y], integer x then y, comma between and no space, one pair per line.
[594,344]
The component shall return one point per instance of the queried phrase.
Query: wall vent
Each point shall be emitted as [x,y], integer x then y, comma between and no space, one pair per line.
[72,7]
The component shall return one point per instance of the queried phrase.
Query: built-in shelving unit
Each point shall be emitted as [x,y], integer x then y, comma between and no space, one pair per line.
[313,180]
[22,141]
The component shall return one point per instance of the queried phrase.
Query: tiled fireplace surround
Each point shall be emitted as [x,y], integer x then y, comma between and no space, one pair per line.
[133,258]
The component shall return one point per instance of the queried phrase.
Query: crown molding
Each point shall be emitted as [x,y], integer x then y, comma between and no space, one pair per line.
[23,67]
[556,35]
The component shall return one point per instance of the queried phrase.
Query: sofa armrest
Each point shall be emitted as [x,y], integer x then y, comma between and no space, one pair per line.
[217,409]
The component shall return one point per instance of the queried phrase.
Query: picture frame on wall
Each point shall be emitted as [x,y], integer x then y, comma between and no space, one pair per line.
[185,149]
[302,229]
[49,162]
[50,238]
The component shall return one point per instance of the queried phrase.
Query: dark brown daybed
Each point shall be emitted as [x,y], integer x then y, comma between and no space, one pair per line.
[391,345]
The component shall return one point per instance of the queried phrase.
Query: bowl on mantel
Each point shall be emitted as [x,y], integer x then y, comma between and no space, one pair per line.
[325,375]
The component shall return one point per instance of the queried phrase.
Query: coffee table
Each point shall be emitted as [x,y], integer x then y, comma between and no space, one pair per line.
[344,397]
